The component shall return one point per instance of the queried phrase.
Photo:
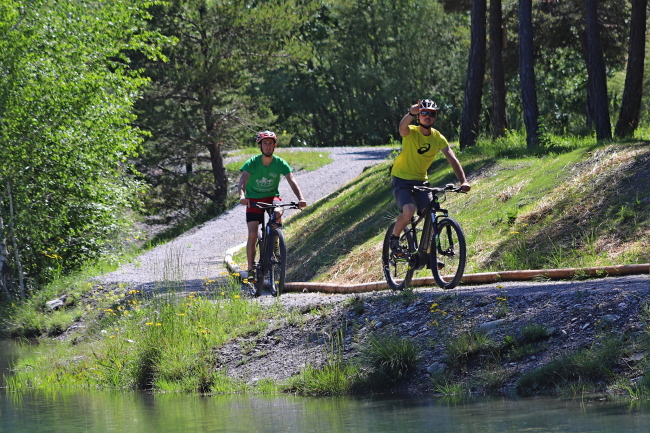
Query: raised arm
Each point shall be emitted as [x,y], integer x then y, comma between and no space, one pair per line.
[408,118]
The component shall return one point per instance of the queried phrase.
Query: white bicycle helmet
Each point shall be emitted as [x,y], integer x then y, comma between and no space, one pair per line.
[428,104]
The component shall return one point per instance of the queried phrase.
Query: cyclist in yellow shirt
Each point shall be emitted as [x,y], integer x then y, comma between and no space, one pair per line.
[420,144]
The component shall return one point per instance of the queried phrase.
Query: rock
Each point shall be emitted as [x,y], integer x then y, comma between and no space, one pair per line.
[487,327]
[436,367]
[610,318]
[56,303]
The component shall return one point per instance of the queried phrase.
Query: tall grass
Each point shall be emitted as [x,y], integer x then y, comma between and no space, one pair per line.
[163,342]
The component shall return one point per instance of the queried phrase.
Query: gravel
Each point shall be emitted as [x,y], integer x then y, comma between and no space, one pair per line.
[198,254]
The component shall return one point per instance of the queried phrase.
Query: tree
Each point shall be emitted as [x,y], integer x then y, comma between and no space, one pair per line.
[469,127]
[628,119]
[66,95]
[371,60]
[497,35]
[196,106]
[597,84]
[527,74]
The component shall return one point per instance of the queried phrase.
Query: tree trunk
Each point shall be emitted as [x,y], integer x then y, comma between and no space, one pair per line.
[527,73]
[21,283]
[469,128]
[499,119]
[4,258]
[220,177]
[628,119]
[597,74]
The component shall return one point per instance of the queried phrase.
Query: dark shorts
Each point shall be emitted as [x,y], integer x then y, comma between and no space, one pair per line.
[256,214]
[402,190]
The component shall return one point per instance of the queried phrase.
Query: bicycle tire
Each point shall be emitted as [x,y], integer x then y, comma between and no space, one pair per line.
[277,263]
[451,242]
[260,268]
[398,273]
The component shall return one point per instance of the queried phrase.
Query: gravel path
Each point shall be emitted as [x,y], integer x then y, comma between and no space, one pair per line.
[198,255]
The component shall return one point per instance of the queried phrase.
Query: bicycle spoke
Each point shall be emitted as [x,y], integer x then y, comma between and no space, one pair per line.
[398,270]
[449,255]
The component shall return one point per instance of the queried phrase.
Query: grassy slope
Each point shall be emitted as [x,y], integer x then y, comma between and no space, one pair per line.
[576,205]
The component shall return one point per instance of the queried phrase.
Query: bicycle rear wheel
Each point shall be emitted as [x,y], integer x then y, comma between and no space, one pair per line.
[277,262]
[398,271]
[450,252]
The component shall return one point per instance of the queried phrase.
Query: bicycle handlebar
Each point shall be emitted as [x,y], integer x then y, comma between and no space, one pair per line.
[262,205]
[450,187]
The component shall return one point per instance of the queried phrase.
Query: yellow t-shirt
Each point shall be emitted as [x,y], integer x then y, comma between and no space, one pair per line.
[418,152]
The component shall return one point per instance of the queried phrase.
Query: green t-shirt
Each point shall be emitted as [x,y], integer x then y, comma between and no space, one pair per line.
[264,181]
[418,152]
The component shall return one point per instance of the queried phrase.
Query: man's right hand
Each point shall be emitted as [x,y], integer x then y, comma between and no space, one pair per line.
[415,109]
[244,202]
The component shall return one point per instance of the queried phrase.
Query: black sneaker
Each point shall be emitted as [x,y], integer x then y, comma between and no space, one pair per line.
[440,264]
[395,247]
[251,276]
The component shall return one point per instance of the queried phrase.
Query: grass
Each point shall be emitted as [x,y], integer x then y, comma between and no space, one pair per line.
[573,374]
[163,343]
[298,159]
[390,358]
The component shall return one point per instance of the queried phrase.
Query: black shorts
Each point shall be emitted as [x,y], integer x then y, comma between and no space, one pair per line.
[257,214]
[404,194]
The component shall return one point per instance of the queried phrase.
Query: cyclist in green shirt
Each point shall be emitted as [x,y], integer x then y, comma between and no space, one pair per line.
[420,144]
[259,181]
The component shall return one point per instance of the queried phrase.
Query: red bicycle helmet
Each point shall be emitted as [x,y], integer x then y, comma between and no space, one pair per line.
[266,134]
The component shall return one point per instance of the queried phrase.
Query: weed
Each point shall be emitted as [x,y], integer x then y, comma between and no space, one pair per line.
[572,372]
[357,304]
[534,332]
[502,307]
[335,378]
[467,346]
[390,357]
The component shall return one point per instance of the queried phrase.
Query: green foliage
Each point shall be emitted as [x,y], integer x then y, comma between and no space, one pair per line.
[467,346]
[66,94]
[391,359]
[584,369]
[370,61]
[335,378]
[138,342]
[196,107]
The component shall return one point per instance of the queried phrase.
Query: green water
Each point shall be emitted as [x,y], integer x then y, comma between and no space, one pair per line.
[159,413]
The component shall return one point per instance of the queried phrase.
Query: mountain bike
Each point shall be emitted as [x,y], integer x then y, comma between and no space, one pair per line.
[440,247]
[271,267]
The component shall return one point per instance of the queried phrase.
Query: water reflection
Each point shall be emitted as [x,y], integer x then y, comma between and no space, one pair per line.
[145,413]
[139,412]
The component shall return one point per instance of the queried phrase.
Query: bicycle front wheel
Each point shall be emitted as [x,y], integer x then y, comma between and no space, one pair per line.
[260,267]
[398,271]
[277,262]
[448,254]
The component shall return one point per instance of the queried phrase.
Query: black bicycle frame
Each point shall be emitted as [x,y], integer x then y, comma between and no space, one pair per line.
[431,214]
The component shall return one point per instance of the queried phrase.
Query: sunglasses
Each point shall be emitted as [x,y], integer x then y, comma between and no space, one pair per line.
[429,113]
